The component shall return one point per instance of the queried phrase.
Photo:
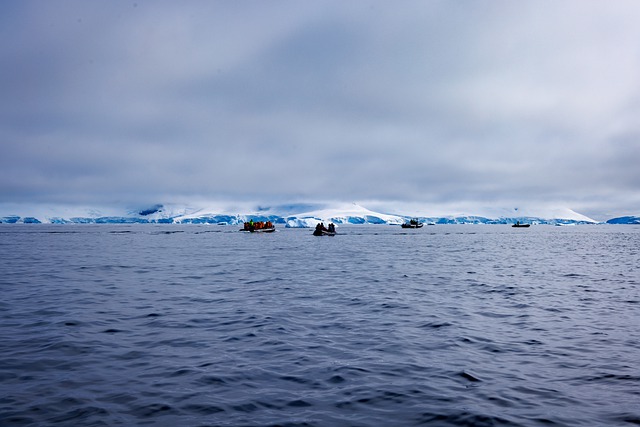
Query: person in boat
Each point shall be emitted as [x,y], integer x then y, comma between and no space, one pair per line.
[332,228]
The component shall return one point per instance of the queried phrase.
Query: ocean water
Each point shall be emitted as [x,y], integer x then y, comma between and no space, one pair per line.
[189,325]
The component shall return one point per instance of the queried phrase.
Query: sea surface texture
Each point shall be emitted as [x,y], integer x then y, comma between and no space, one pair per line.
[189,325]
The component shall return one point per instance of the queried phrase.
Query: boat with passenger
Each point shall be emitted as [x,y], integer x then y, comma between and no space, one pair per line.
[258,227]
[519,225]
[321,230]
[414,223]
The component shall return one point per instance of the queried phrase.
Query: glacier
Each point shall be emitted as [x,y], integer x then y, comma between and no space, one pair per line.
[293,215]
[624,220]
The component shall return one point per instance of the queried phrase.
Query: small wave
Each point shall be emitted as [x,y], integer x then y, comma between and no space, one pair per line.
[152,410]
[336,379]
[212,380]
[465,418]
[612,378]
[470,377]
[78,416]
[628,418]
[434,325]
[495,315]
[299,403]
[202,409]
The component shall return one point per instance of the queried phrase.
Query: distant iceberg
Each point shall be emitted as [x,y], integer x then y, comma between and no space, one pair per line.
[625,220]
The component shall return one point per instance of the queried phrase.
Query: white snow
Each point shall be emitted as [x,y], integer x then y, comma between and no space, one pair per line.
[342,213]
[294,215]
[46,212]
[493,212]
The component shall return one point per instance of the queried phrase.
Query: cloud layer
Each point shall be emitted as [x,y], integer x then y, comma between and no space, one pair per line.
[420,102]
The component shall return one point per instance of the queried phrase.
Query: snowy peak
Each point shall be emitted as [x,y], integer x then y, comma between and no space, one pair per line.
[342,214]
[547,213]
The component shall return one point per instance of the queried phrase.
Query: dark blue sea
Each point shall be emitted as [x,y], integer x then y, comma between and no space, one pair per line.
[194,325]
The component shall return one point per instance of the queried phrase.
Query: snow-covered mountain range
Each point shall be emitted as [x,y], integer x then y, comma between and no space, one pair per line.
[289,215]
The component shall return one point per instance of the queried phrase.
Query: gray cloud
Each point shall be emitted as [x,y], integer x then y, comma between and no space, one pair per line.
[427,102]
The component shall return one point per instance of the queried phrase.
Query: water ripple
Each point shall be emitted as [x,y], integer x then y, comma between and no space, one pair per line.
[196,325]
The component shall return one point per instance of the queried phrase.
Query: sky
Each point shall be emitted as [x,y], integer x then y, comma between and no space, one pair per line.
[413,103]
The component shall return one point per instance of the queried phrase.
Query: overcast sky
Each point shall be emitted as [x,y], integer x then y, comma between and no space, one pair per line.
[429,102]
